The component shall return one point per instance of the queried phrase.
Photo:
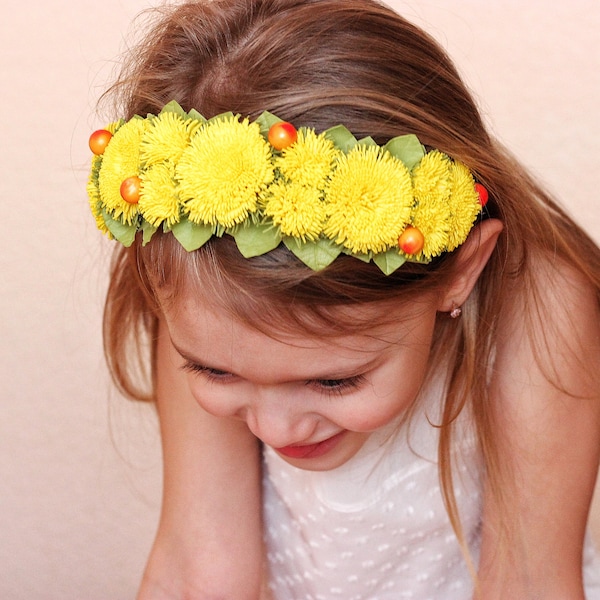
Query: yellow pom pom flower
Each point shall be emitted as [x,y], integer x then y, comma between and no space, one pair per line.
[464,205]
[432,188]
[309,160]
[159,201]
[224,171]
[447,203]
[432,178]
[298,210]
[121,160]
[166,138]
[368,200]
[94,194]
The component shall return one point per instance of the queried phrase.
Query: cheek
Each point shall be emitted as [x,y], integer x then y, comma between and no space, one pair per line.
[209,399]
[390,397]
[379,413]
[375,409]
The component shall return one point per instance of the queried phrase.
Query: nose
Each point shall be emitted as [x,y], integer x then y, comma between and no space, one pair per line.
[278,421]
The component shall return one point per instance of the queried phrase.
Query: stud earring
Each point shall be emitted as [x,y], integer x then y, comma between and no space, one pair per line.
[456,312]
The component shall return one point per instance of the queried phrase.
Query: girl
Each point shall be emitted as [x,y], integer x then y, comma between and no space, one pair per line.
[372,339]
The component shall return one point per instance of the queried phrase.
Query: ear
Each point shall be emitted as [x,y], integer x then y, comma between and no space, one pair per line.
[473,255]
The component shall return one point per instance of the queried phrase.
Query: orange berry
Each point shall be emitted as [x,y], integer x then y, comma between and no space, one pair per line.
[99,140]
[130,189]
[282,134]
[411,240]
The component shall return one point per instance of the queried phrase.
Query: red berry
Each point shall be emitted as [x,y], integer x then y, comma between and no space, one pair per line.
[483,194]
[99,140]
[282,135]
[411,240]
[130,189]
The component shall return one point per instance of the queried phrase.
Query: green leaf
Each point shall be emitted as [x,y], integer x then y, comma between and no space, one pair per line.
[389,261]
[316,255]
[194,114]
[341,137]
[367,141]
[221,117]
[364,257]
[190,235]
[120,231]
[406,148]
[174,107]
[148,231]
[266,121]
[255,240]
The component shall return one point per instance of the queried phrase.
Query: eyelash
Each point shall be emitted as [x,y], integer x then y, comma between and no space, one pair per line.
[208,372]
[337,386]
[328,386]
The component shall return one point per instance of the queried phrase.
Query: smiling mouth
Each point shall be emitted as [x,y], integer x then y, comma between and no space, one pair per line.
[311,450]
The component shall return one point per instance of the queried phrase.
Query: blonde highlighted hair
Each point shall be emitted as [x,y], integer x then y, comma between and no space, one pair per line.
[319,63]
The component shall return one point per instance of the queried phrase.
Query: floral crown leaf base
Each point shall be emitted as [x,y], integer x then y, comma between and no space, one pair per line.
[266,183]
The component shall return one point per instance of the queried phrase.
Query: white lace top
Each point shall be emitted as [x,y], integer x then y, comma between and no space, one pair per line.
[376,527]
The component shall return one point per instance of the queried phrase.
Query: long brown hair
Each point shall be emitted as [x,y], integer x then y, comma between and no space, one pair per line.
[319,63]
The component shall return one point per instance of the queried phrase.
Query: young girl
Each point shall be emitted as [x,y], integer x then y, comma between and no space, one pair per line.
[372,339]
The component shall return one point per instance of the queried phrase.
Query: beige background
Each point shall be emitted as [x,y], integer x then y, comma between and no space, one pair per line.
[79,467]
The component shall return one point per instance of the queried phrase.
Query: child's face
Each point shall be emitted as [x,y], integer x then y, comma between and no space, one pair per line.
[315,401]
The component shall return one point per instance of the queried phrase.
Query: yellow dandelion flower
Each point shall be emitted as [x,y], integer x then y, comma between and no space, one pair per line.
[432,178]
[309,161]
[432,182]
[298,210]
[93,187]
[447,203]
[121,160]
[224,170]
[92,184]
[369,200]
[433,221]
[166,138]
[94,197]
[159,201]
[464,205]
[114,126]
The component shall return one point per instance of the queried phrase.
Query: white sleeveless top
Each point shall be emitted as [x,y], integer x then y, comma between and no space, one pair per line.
[376,528]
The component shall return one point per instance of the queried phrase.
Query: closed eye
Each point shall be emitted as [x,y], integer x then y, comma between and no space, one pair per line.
[328,386]
[210,373]
[337,386]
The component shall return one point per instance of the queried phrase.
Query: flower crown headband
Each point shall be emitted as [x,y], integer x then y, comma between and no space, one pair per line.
[264,183]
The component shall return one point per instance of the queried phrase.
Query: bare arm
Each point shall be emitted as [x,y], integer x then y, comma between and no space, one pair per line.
[550,420]
[209,540]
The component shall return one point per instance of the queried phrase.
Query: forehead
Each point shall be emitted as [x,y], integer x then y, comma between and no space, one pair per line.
[204,333]
[293,321]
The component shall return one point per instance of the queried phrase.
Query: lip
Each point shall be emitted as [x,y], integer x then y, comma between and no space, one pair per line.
[306,451]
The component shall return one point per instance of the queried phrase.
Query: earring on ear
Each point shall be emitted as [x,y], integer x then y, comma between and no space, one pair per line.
[456,312]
